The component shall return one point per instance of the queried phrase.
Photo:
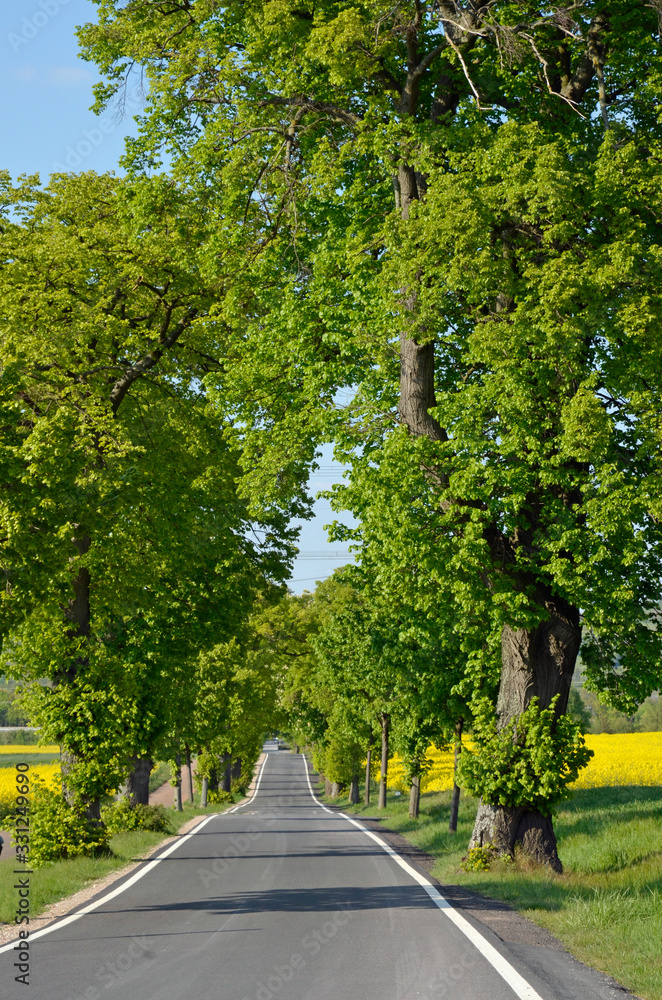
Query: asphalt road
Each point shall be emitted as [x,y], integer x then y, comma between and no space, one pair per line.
[281,898]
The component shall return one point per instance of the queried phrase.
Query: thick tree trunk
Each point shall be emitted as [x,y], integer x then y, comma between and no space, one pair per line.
[204,793]
[366,790]
[415,797]
[236,769]
[537,662]
[137,783]
[327,787]
[335,789]
[455,800]
[383,777]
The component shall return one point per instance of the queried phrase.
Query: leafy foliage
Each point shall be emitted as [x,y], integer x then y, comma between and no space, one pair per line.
[530,762]
[60,830]
[121,816]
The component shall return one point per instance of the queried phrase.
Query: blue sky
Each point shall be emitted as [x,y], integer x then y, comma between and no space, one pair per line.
[47,127]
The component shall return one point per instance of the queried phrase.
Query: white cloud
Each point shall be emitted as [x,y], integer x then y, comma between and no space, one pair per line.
[69,76]
[24,74]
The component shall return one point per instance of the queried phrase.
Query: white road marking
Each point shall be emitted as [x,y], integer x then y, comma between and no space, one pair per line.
[115,892]
[259,779]
[501,965]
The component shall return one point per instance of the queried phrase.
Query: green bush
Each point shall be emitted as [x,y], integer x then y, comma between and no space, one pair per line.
[218,797]
[59,830]
[530,762]
[122,816]
[479,859]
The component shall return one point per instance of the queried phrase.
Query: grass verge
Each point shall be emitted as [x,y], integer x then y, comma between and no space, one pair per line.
[606,907]
[60,879]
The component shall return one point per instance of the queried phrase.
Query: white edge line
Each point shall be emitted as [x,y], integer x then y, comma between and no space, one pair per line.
[257,787]
[501,965]
[57,924]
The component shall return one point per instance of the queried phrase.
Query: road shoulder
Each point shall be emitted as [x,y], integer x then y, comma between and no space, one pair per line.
[531,947]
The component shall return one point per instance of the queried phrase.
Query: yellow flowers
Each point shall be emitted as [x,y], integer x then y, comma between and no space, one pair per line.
[438,779]
[29,748]
[623,759]
[620,759]
[48,773]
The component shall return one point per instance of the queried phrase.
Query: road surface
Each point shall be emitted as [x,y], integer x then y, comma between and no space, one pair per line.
[281,898]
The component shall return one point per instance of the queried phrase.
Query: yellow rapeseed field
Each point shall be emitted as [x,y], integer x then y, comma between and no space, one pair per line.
[620,759]
[29,748]
[623,759]
[49,773]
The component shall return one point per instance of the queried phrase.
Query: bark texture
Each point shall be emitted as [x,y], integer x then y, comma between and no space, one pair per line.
[178,783]
[455,800]
[204,793]
[537,662]
[137,783]
[366,790]
[414,797]
[504,828]
[226,785]
[383,778]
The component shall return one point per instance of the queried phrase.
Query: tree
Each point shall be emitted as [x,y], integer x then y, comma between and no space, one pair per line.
[124,540]
[516,283]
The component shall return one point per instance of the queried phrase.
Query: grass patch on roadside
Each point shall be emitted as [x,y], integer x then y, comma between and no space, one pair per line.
[12,759]
[63,878]
[606,907]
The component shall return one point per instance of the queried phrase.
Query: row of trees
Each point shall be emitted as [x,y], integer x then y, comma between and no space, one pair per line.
[133,568]
[429,232]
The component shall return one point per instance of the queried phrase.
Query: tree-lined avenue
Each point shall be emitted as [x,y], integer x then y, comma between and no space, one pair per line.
[283,899]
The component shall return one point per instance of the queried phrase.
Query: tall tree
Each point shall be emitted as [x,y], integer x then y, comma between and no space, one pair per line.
[124,540]
[522,360]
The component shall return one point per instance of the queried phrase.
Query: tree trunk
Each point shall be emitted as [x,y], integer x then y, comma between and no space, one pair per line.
[204,792]
[178,784]
[354,786]
[415,797]
[537,662]
[455,801]
[77,615]
[189,769]
[226,785]
[327,787]
[236,769]
[366,791]
[335,789]
[296,748]
[383,778]
[137,783]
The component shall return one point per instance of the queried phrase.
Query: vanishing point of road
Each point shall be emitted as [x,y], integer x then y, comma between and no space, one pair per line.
[283,899]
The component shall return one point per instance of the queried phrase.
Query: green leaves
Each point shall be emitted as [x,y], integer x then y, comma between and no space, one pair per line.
[530,762]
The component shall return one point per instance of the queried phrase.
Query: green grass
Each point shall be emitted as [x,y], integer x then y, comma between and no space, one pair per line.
[12,759]
[63,878]
[606,907]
